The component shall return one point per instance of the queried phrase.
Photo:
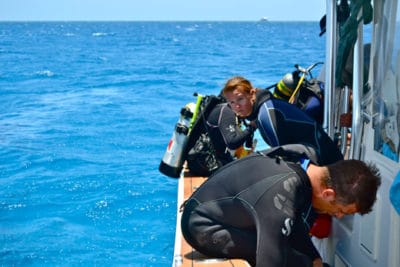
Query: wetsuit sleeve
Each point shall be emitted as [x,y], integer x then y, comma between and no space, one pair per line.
[276,217]
[301,241]
[272,246]
[275,249]
[281,230]
[232,134]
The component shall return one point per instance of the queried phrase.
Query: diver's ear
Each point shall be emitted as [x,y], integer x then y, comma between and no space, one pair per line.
[253,95]
[329,194]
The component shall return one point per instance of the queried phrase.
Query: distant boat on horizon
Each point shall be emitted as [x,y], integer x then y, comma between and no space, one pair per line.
[264,19]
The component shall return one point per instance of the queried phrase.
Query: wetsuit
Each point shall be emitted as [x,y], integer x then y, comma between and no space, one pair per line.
[282,123]
[310,102]
[257,208]
[225,132]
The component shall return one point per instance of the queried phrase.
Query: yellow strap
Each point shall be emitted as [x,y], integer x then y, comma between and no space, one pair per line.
[292,98]
[196,111]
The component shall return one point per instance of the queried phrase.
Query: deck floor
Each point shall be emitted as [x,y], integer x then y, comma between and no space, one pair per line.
[188,256]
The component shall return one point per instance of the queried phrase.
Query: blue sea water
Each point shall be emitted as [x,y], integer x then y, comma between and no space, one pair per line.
[87,109]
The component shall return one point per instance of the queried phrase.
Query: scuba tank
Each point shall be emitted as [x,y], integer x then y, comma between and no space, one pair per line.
[174,157]
[306,94]
[286,86]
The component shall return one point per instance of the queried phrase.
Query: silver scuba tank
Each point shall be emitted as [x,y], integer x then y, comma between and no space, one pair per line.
[172,162]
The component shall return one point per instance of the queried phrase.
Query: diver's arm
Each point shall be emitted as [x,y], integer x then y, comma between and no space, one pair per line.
[232,134]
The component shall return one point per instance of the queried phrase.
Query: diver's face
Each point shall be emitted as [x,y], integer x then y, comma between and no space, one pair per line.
[336,209]
[241,103]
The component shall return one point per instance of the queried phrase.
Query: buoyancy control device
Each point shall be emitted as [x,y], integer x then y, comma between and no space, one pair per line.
[306,94]
[174,156]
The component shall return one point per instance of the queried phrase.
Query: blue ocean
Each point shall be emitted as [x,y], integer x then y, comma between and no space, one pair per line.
[87,110]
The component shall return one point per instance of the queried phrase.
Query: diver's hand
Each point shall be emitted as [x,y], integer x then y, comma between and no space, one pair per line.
[254,124]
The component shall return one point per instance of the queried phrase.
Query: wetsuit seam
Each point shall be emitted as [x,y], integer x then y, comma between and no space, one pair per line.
[267,189]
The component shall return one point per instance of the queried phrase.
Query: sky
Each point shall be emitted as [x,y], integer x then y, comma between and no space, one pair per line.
[161,10]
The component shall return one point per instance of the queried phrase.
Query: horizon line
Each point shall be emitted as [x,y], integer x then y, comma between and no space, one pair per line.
[153,20]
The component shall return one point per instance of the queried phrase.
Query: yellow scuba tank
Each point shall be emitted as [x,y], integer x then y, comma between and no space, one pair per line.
[172,162]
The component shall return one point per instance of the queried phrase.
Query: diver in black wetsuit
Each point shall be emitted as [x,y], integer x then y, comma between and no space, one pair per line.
[260,208]
[214,135]
[279,122]
[225,132]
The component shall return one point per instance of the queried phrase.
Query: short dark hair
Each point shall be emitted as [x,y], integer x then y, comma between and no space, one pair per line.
[354,181]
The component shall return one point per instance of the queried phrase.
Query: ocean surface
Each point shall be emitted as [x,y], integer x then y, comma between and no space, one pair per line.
[87,110]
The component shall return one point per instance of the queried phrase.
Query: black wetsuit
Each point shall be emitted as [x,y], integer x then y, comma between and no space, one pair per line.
[257,208]
[281,123]
[225,132]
